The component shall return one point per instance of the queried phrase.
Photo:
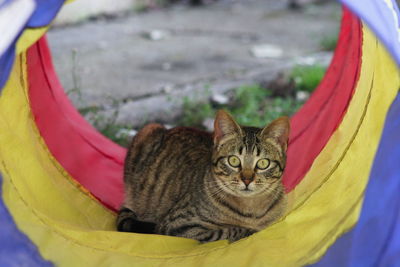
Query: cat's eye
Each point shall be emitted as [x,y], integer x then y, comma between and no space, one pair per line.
[234,161]
[262,164]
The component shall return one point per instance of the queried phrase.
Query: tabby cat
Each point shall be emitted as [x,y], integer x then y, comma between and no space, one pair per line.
[190,183]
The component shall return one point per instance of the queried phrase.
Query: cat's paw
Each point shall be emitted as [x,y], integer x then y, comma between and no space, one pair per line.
[127,222]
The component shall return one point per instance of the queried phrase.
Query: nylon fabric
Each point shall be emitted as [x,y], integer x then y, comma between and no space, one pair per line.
[15,247]
[71,228]
[375,241]
[104,180]
[327,105]
[382,16]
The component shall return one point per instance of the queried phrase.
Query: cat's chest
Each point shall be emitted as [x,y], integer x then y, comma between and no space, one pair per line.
[247,215]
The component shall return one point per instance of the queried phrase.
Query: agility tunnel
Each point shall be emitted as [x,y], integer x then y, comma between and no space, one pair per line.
[62,180]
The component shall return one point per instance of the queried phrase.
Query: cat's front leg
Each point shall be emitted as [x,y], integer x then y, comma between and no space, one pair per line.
[127,222]
[204,234]
[230,233]
[236,233]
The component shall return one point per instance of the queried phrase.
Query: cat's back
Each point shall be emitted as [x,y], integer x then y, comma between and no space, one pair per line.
[154,141]
[161,166]
[190,137]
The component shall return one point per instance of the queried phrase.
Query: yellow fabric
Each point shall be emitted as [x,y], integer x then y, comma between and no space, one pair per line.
[72,229]
[29,37]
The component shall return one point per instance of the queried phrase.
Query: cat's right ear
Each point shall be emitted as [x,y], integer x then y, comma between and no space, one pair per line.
[278,130]
[225,127]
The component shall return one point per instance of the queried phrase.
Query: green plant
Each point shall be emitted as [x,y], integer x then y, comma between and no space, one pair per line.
[106,123]
[117,133]
[194,113]
[251,105]
[146,5]
[140,8]
[88,110]
[76,79]
[329,42]
[307,77]
[108,126]
[255,107]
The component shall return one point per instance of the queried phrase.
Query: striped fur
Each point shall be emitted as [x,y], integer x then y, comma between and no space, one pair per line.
[182,181]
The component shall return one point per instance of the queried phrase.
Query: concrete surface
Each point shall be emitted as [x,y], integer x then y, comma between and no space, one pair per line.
[79,10]
[143,64]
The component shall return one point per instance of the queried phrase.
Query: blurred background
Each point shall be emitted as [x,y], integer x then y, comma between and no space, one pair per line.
[177,62]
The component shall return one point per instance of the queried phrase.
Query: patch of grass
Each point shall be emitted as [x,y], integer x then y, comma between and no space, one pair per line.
[87,110]
[117,133]
[140,8]
[194,114]
[307,78]
[251,106]
[76,79]
[146,5]
[329,42]
[108,126]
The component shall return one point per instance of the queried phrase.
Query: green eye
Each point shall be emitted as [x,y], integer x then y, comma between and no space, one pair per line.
[234,161]
[262,164]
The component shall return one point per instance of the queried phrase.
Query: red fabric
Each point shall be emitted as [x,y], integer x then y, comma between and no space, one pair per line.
[97,163]
[90,158]
[314,123]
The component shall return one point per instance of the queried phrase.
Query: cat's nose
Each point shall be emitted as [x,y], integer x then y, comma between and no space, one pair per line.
[247,176]
[246,181]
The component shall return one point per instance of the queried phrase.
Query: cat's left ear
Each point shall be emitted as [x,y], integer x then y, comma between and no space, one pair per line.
[278,130]
[225,127]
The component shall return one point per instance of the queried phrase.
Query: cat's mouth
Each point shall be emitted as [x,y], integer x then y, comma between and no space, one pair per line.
[246,191]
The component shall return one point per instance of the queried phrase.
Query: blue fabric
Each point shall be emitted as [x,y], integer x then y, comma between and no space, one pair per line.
[375,241]
[15,248]
[44,13]
[5,2]
[6,63]
[380,18]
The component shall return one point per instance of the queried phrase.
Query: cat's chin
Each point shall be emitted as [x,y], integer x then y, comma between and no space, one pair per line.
[247,192]
[238,192]
[244,193]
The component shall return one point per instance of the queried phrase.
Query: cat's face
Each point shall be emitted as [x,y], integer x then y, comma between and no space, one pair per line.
[249,161]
